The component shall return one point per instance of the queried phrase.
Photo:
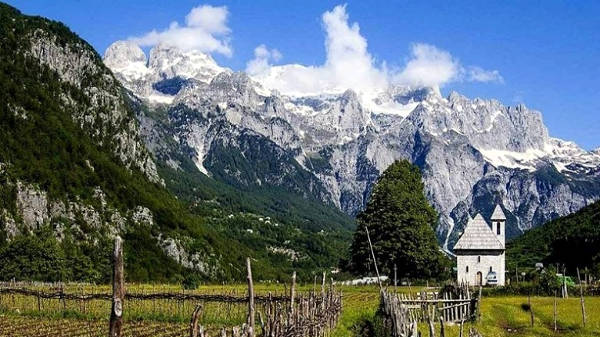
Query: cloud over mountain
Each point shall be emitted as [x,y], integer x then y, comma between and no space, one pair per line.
[349,65]
[205,30]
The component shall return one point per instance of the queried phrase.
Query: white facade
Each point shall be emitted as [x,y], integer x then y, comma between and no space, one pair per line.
[472,268]
[480,251]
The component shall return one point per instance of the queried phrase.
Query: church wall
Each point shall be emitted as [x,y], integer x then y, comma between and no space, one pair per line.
[486,260]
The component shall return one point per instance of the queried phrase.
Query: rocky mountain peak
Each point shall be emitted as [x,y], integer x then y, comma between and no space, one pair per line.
[121,54]
[166,72]
[349,95]
[169,62]
[455,97]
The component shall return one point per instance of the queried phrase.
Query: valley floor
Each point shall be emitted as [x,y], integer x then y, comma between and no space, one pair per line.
[501,316]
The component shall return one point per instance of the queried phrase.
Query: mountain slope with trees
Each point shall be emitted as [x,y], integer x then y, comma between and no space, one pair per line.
[74,173]
[572,241]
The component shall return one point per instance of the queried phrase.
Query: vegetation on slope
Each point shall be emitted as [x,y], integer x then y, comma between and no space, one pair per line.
[42,145]
[572,241]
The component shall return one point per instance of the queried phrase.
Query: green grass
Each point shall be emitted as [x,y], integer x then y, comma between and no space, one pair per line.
[501,316]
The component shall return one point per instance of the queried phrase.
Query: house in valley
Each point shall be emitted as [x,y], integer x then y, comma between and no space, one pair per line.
[479,251]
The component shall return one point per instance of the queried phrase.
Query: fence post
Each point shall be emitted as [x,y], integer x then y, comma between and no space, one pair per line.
[555,311]
[374,260]
[582,300]
[565,289]
[395,279]
[116,314]
[323,291]
[479,305]
[194,321]
[430,321]
[250,300]
[530,309]
[293,293]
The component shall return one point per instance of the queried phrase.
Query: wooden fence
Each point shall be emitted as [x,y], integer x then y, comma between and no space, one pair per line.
[310,314]
[401,313]
[451,306]
[307,315]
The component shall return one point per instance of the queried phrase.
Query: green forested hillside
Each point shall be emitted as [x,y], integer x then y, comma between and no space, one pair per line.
[43,145]
[573,240]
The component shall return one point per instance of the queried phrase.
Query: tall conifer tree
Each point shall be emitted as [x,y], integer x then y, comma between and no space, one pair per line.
[401,225]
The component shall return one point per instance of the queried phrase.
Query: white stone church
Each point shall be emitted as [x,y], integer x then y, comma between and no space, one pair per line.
[480,251]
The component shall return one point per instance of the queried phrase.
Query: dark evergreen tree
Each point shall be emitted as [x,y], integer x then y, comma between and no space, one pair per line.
[401,226]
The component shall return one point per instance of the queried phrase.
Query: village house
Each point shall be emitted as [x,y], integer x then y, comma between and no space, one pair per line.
[479,251]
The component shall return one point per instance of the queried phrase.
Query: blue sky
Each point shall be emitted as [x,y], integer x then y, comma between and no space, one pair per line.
[546,52]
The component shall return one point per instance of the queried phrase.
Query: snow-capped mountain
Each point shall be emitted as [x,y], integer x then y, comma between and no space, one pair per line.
[474,153]
[161,77]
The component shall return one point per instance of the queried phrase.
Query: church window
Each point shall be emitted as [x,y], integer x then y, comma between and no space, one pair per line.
[467,269]
[498,228]
[478,259]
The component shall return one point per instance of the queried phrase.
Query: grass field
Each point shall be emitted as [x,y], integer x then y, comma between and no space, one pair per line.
[501,316]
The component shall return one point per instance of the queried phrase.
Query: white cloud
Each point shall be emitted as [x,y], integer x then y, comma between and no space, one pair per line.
[428,66]
[262,58]
[205,30]
[477,74]
[349,65]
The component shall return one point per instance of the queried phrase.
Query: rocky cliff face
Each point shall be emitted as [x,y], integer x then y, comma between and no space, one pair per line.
[474,153]
[72,159]
[105,114]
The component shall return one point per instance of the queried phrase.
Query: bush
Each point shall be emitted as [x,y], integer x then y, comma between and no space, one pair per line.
[191,281]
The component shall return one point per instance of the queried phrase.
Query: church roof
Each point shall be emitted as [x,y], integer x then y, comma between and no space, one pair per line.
[478,235]
[498,214]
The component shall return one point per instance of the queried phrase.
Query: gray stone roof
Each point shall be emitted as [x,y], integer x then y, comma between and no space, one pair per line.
[478,235]
[498,214]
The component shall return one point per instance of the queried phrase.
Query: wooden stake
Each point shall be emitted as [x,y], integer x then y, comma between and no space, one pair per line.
[582,300]
[116,313]
[555,327]
[250,300]
[479,305]
[430,321]
[565,289]
[530,309]
[194,321]
[293,293]
[395,278]
[374,260]
[442,332]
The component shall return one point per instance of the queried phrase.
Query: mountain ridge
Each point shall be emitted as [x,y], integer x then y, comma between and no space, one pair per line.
[496,154]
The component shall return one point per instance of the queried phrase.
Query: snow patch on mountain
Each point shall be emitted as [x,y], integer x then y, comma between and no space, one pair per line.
[512,159]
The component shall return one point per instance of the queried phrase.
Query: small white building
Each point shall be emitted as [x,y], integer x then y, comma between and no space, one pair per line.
[479,251]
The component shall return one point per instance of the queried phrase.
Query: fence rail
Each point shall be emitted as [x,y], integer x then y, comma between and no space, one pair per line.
[290,314]
[133,296]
